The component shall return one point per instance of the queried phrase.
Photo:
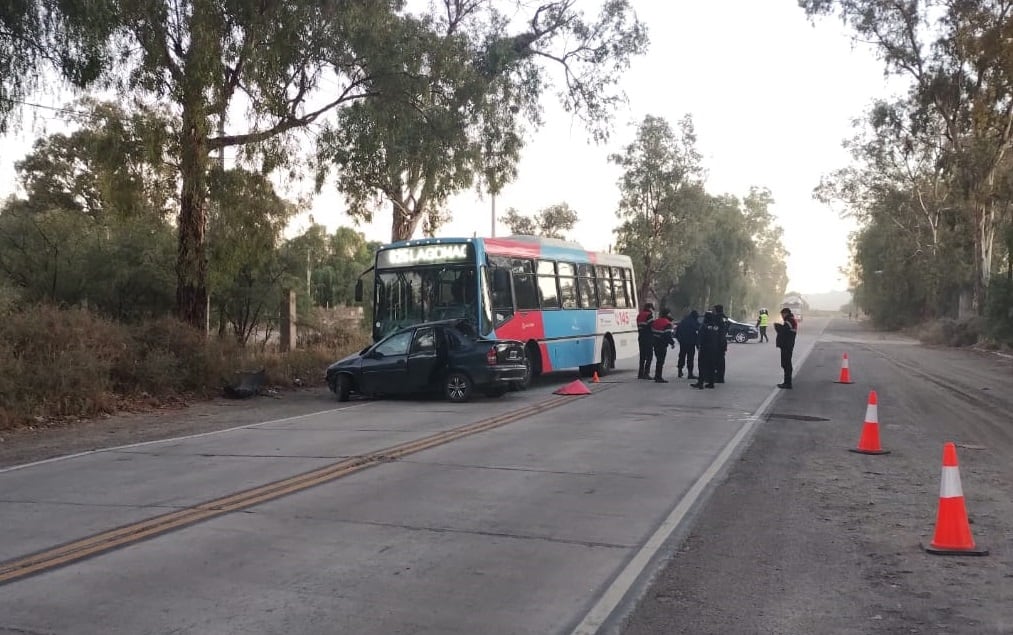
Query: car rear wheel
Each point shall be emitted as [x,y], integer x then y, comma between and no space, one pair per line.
[457,386]
[740,337]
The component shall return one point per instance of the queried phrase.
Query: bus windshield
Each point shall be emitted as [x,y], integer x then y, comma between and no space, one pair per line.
[407,296]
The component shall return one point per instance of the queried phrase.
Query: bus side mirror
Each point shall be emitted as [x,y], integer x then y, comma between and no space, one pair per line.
[358,290]
[501,280]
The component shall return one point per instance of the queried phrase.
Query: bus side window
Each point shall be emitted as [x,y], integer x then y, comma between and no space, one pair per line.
[525,290]
[619,287]
[586,287]
[548,286]
[501,299]
[567,285]
[631,290]
[604,287]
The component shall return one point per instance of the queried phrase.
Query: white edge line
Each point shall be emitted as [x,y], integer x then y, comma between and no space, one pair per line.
[183,438]
[627,578]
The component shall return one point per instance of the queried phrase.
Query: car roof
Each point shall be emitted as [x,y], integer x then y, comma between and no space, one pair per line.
[454,323]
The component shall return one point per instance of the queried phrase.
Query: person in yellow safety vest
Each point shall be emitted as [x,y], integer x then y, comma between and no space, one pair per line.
[762,322]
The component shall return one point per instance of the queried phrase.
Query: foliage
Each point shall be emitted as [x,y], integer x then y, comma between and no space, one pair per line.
[662,202]
[36,36]
[327,266]
[244,235]
[71,363]
[451,87]
[550,222]
[93,227]
[692,249]
[936,164]
[196,57]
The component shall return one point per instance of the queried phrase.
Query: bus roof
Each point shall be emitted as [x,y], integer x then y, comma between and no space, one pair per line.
[524,246]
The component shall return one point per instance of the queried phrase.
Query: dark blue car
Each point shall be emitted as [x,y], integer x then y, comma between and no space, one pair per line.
[447,356]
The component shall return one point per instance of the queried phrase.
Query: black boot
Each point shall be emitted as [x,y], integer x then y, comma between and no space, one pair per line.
[680,372]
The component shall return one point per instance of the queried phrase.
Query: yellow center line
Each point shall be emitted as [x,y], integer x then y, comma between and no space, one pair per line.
[135,532]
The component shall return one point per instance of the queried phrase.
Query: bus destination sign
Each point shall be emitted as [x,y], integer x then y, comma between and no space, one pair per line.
[423,255]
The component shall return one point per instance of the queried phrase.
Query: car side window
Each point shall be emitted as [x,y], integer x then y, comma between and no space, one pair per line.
[425,341]
[395,344]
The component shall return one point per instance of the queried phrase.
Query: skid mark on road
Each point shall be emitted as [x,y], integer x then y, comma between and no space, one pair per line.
[519,468]
[135,532]
[479,532]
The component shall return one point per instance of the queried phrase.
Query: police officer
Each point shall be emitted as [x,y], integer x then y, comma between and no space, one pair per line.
[663,331]
[686,334]
[710,343]
[785,340]
[761,323]
[719,360]
[645,339]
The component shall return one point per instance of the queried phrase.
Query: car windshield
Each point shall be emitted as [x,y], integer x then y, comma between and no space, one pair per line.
[409,296]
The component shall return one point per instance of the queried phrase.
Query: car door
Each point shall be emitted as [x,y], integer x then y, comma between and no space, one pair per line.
[385,367]
[424,358]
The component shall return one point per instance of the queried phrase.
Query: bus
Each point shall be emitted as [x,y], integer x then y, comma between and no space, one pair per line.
[571,307]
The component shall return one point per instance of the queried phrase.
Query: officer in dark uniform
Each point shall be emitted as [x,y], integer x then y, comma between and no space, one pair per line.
[719,360]
[663,331]
[645,340]
[785,340]
[710,342]
[686,335]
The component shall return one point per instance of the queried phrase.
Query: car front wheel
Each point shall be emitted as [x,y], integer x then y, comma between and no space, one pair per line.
[740,337]
[457,386]
[343,387]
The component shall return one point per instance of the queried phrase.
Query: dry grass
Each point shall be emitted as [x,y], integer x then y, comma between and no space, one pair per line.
[70,363]
[948,332]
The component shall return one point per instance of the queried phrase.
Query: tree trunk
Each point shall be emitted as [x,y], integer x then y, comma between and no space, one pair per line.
[405,222]
[191,258]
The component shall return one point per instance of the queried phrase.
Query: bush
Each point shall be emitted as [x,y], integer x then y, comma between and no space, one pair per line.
[999,310]
[950,332]
[68,363]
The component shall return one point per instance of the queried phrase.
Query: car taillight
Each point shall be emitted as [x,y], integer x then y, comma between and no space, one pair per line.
[490,357]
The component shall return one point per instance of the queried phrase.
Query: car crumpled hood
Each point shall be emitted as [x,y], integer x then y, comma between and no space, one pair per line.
[351,360]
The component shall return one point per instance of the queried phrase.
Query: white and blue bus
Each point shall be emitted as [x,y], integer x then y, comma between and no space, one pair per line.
[573,308]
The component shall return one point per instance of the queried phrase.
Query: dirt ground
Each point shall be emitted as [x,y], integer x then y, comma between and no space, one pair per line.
[806,537]
[44,441]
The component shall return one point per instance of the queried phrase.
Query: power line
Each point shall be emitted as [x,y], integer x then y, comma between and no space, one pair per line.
[58,109]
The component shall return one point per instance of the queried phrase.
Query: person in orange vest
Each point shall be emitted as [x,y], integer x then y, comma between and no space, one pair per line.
[646,341]
[663,331]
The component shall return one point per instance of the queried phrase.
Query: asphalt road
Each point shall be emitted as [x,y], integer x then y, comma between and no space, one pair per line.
[641,508]
[806,537]
[542,525]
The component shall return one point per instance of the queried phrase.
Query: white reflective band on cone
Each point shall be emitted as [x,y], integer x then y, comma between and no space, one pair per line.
[872,413]
[844,364]
[950,487]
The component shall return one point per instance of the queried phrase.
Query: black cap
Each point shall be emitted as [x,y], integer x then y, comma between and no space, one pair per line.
[649,306]
[666,312]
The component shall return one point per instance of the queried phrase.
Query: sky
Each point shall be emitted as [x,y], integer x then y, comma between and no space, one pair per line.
[772,97]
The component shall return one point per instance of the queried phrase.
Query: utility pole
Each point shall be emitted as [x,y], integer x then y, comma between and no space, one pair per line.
[493,215]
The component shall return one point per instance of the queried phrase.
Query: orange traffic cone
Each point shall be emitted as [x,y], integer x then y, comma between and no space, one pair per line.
[953,531]
[576,387]
[594,378]
[869,442]
[845,377]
